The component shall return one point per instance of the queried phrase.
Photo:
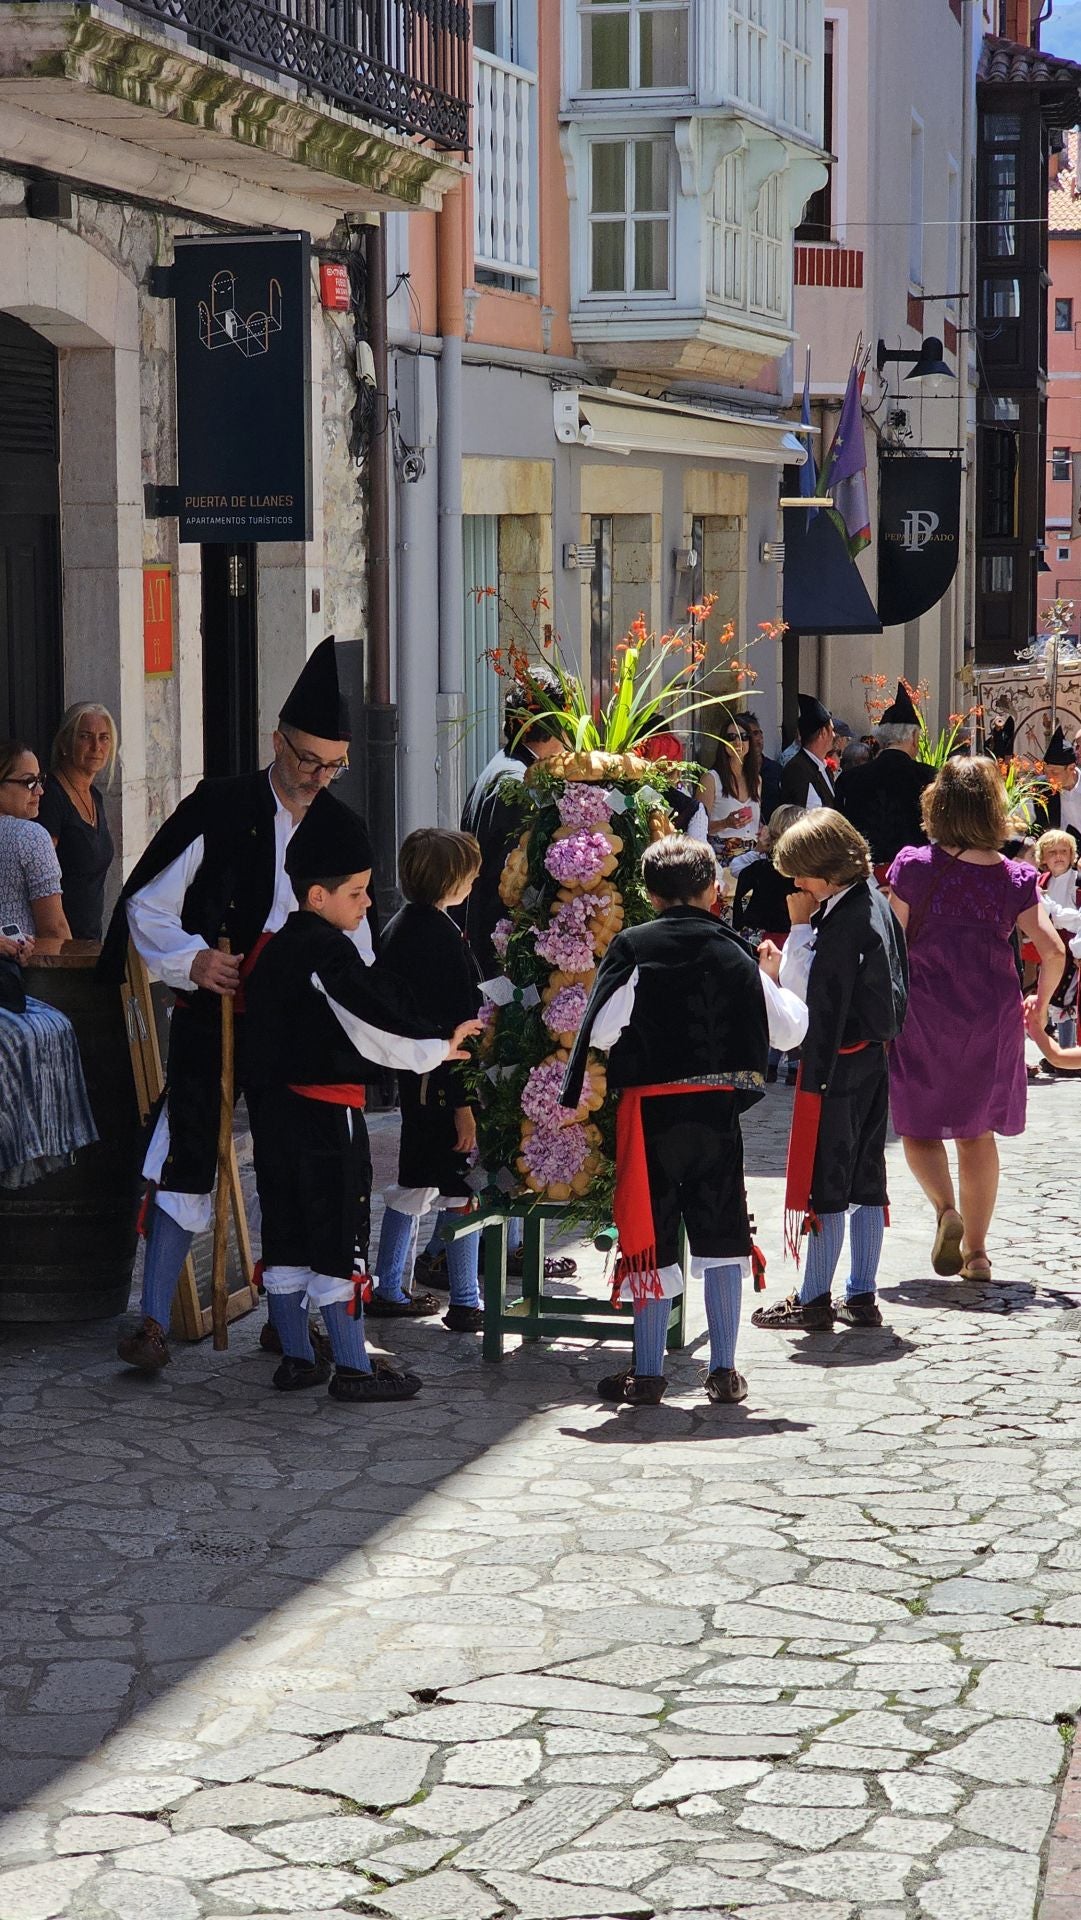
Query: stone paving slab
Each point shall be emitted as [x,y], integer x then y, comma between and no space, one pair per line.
[507,1654]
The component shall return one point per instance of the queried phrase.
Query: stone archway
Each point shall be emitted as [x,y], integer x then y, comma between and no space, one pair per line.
[69,292]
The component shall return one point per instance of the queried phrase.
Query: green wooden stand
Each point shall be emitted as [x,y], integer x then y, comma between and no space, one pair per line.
[538,1315]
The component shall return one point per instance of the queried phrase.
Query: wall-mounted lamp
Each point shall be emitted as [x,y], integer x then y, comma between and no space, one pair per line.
[579,558]
[927,364]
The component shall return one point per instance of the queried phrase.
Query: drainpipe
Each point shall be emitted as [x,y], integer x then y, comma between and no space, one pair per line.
[380,716]
[450,701]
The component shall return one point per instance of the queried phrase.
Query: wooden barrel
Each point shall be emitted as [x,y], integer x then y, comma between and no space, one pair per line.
[67,1243]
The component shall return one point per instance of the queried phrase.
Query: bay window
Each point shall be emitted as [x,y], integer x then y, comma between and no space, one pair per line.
[635,45]
[630,216]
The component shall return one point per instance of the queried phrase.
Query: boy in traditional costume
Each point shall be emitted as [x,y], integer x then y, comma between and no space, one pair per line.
[846,957]
[319,1023]
[687,1021]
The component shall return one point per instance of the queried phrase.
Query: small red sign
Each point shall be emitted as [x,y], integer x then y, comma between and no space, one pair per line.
[334,286]
[157,620]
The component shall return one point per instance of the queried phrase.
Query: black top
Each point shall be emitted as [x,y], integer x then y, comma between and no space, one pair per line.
[497,827]
[85,854]
[233,889]
[858,988]
[427,952]
[292,1036]
[761,902]
[882,800]
[799,775]
[699,1008]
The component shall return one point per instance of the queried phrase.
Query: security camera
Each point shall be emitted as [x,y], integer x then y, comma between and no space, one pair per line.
[365,364]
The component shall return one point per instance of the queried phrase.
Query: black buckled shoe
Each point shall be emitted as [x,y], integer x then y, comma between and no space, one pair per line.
[637,1389]
[464,1319]
[430,1270]
[793,1316]
[293,1375]
[416,1306]
[725,1387]
[270,1340]
[384,1382]
[862,1310]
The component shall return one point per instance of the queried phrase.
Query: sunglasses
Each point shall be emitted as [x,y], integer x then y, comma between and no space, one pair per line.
[33,782]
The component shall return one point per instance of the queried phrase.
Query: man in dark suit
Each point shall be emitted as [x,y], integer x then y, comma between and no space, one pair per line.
[882,799]
[805,780]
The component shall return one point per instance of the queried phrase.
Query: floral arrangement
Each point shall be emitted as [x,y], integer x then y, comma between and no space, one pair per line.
[571,882]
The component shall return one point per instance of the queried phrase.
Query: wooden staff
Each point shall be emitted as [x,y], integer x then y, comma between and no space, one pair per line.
[219,1283]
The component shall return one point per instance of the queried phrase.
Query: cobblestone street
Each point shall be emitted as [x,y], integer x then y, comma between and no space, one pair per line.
[501,1652]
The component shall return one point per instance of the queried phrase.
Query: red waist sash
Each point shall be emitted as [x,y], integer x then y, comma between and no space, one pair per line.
[344,1094]
[799,1217]
[632,1206]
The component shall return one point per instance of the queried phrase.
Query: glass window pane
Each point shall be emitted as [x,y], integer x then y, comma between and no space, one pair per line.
[650,256]
[609,177]
[1063,316]
[650,176]
[1001,299]
[484,25]
[606,50]
[662,48]
[608,267]
[1003,129]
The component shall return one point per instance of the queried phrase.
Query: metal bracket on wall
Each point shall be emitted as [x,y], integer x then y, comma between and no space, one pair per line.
[161,503]
[159,282]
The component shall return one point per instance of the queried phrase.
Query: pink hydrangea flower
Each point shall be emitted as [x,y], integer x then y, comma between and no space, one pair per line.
[580,857]
[540,1095]
[501,934]
[564,1013]
[567,942]
[584,806]
[556,1157]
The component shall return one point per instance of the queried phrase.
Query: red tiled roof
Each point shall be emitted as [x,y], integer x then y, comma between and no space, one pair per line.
[1005,63]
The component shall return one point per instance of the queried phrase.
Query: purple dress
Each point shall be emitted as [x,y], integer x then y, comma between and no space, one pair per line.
[958,1068]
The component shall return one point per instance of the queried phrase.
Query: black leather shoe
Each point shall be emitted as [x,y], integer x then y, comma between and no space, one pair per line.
[384,1382]
[725,1387]
[464,1319]
[292,1376]
[637,1389]
[861,1311]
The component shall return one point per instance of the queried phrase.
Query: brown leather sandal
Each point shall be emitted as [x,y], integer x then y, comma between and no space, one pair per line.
[978,1254]
[946,1256]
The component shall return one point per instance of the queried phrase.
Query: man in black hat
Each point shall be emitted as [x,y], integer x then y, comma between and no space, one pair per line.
[1064,800]
[882,799]
[806,780]
[528,736]
[216,867]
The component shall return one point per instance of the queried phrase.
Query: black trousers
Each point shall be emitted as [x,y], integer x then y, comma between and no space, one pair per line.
[313,1170]
[694,1155]
[193,1095]
[850,1163]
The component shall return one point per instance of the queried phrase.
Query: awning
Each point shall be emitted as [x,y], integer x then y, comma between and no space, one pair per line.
[611,423]
[823,588]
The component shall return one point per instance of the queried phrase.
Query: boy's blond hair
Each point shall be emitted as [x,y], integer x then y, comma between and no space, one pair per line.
[823,846]
[781,819]
[1055,840]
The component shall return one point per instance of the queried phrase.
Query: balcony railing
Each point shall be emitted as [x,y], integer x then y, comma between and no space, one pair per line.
[403,63]
[504,167]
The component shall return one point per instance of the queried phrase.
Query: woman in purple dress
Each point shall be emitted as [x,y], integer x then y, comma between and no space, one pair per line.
[957,1071]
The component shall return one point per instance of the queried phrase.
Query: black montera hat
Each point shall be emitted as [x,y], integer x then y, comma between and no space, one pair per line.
[813,716]
[1056,752]
[902,713]
[316,705]
[331,839]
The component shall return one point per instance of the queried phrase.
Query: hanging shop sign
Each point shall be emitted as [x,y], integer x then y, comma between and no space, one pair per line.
[919,524]
[243,396]
[157,621]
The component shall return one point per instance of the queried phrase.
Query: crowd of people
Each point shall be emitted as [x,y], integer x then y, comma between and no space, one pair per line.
[869,926]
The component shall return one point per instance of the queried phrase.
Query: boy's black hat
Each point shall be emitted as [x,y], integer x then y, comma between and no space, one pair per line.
[1056,752]
[331,839]
[902,713]
[316,705]
[813,716]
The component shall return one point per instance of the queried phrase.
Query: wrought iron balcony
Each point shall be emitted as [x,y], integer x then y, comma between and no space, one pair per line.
[401,63]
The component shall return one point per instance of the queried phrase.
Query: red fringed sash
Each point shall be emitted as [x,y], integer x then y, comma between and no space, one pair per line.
[632,1208]
[799,1215]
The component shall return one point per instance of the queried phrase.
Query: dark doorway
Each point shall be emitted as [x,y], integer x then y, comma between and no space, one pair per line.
[31,643]
[230,661]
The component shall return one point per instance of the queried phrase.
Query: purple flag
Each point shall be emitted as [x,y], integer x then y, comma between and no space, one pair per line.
[844,471]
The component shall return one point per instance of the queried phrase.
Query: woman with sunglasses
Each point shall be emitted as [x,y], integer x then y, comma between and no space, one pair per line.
[30,882]
[45,1115]
[732,796]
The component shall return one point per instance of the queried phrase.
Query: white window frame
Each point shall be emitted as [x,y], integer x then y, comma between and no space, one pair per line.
[839,22]
[917,190]
[632,9]
[803,121]
[1062,459]
[728,235]
[766,251]
[749,24]
[629,219]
